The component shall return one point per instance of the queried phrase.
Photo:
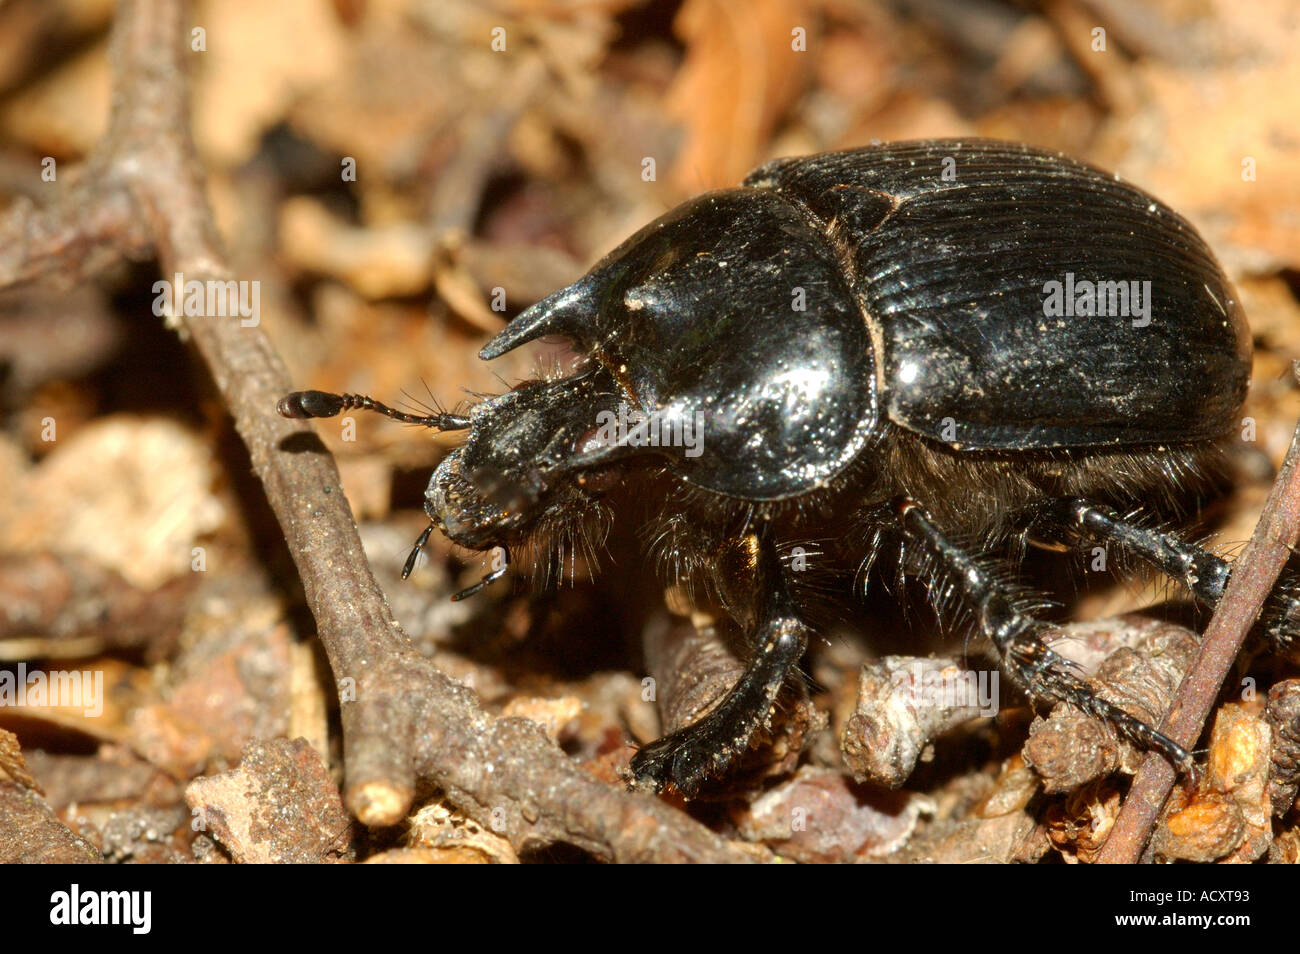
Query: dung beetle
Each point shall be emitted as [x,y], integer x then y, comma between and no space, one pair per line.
[948,347]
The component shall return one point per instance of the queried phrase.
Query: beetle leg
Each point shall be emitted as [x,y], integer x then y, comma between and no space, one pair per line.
[489,578]
[1075,519]
[1018,637]
[707,747]
[1202,572]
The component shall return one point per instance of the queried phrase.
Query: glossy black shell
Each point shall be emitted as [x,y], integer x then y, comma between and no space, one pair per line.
[923,269]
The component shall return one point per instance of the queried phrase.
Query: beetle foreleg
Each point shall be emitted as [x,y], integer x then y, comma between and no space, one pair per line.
[708,747]
[1018,638]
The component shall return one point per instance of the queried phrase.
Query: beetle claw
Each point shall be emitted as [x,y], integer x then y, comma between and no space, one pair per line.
[488,579]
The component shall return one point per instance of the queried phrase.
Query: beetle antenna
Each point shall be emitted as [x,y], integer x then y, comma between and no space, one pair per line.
[491,577]
[305,404]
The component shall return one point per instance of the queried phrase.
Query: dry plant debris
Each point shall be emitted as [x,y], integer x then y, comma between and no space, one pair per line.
[279,806]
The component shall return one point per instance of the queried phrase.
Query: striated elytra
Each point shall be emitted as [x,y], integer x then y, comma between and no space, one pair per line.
[942,348]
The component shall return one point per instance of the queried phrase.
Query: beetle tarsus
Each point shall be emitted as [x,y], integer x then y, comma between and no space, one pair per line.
[1042,672]
[487,580]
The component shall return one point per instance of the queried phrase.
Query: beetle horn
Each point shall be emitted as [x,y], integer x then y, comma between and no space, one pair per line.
[570,312]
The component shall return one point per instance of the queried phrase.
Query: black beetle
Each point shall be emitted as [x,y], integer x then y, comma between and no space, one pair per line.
[955,347]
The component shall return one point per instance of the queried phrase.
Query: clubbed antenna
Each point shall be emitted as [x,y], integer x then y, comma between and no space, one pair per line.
[304,404]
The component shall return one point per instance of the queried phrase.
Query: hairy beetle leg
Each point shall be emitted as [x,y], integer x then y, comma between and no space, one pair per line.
[1202,572]
[1018,638]
[689,756]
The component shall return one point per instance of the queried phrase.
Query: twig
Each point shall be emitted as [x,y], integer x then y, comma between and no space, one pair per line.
[143,189]
[1252,580]
[895,718]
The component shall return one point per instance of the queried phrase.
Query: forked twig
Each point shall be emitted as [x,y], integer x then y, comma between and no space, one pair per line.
[142,191]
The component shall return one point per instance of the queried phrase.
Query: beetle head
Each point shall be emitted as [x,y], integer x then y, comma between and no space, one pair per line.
[522,464]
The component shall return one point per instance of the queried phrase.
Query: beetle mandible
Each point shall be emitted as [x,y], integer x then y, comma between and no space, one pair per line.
[876,354]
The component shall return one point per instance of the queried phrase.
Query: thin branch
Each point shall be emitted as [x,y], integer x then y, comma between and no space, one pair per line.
[1253,578]
[143,188]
